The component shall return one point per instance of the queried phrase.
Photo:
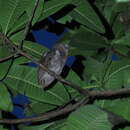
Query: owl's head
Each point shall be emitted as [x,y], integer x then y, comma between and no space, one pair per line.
[62,49]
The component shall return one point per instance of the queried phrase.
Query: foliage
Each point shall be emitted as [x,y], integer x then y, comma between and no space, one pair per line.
[97,34]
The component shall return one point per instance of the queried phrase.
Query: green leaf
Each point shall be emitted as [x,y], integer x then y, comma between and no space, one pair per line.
[57,125]
[10,11]
[112,10]
[18,25]
[51,7]
[36,107]
[94,71]
[127,128]
[118,74]
[119,107]
[0,28]
[123,0]
[65,19]
[91,118]
[5,99]
[30,6]
[100,4]
[35,127]
[122,50]
[13,16]
[66,38]
[21,60]
[72,76]
[5,51]
[23,79]
[85,15]
[17,37]
[125,40]
[87,40]
[34,49]
[118,28]
[4,68]
[75,51]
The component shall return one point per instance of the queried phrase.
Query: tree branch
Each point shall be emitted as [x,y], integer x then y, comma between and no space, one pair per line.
[69,108]
[110,94]
[58,77]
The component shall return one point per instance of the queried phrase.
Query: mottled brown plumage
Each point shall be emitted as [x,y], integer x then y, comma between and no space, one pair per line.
[54,60]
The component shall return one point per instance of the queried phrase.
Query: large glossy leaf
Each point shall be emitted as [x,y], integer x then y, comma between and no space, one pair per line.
[72,76]
[29,7]
[4,68]
[12,14]
[74,50]
[18,25]
[65,19]
[5,99]
[125,40]
[34,49]
[100,4]
[10,10]
[94,71]
[85,15]
[122,50]
[17,37]
[5,51]
[51,7]
[36,107]
[119,107]
[118,28]
[21,60]
[88,117]
[23,79]
[85,39]
[57,125]
[118,74]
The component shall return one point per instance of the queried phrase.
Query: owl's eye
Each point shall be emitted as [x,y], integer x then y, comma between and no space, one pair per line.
[62,53]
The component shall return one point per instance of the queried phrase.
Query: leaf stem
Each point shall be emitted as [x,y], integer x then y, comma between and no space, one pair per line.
[29,23]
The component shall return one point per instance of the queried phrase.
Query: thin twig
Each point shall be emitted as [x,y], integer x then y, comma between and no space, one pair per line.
[29,23]
[9,57]
[108,94]
[6,58]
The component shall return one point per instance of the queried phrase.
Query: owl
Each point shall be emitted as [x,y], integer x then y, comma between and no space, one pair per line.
[54,60]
